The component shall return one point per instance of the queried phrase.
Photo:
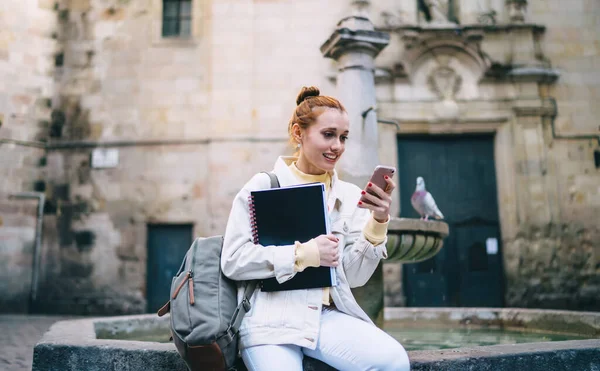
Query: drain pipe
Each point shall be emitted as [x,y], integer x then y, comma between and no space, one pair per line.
[37,252]
[25,143]
[389,122]
[379,120]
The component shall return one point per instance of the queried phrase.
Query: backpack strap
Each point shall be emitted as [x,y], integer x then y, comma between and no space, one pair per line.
[245,306]
[274,180]
[238,315]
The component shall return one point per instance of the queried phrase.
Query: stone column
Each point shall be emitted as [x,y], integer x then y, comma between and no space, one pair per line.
[534,190]
[354,45]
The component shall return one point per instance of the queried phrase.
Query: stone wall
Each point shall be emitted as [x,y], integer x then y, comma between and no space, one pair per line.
[555,266]
[17,240]
[27,47]
[95,253]
[191,118]
[572,44]
[553,260]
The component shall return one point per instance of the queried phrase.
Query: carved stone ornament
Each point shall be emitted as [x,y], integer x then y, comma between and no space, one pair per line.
[444,82]
[487,18]
[436,11]
[392,19]
[516,10]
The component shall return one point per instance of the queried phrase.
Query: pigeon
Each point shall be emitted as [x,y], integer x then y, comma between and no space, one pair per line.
[423,202]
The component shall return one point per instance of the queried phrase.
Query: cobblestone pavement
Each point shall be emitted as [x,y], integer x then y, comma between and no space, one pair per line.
[18,336]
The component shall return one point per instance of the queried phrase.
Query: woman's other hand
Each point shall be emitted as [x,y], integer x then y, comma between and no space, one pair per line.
[378,200]
[328,250]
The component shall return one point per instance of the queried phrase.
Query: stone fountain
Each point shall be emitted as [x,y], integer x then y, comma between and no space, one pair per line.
[124,342]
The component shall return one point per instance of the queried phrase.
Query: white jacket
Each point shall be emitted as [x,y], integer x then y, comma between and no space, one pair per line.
[293,317]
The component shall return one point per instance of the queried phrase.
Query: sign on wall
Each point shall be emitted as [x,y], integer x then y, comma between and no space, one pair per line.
[104,158]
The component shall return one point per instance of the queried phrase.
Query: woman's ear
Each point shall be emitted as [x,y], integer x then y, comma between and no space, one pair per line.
[297,133]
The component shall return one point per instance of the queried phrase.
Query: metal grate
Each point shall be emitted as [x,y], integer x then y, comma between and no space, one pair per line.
[177,18]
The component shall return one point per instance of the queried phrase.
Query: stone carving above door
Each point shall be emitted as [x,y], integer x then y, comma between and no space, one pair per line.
[444,81]
[444,68]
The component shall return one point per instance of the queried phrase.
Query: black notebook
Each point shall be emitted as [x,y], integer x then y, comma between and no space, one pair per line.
[282,216]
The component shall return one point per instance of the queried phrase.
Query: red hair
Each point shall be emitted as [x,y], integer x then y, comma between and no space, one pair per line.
[307,110]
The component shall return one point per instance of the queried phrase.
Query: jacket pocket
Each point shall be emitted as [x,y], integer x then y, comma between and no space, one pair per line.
[261,301]
[341,226]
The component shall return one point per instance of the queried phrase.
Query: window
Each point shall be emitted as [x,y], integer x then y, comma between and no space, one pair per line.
[177,18]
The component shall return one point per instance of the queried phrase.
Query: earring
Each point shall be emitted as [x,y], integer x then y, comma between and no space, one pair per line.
[299,145]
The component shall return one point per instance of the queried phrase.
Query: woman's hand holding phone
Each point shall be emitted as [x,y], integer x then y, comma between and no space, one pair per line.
[377,195]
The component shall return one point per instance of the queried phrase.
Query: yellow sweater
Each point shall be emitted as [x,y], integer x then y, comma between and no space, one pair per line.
[307,253]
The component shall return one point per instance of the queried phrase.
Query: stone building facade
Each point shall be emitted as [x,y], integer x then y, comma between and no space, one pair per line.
[123,129]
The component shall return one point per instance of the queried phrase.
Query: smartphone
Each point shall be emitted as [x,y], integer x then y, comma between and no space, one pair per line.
[378,177]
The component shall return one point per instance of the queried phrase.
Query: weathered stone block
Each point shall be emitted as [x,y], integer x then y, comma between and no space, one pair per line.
[79,5]
[127,248]
[547,268]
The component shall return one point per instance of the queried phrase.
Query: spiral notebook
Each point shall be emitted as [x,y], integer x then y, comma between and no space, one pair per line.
[282,216]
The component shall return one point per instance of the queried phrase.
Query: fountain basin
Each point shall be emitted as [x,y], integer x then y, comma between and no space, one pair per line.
[79,344]
[414,240]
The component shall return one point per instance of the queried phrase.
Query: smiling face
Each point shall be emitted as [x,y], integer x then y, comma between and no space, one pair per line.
[323,142]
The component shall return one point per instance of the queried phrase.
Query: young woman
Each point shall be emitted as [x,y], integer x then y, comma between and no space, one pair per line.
[326,324]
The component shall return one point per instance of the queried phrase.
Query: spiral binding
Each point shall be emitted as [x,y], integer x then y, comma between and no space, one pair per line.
[253,219]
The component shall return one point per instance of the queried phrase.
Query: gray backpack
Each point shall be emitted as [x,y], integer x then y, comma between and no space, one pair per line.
[205,316]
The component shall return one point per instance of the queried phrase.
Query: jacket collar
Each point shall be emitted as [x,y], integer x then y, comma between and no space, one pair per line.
[287,178]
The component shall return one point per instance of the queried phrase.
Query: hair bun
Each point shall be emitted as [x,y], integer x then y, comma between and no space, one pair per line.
[307,92]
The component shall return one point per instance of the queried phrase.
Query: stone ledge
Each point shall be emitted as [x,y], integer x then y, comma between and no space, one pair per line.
[501,28]
[545,320]
[578,355]
[418,225]
[581,355]
[72,345]
[344,38]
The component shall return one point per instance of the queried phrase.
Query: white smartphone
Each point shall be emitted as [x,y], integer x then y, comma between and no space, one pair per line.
[378,177]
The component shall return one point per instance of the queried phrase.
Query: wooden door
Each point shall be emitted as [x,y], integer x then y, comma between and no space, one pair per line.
[459,172]
[167,246]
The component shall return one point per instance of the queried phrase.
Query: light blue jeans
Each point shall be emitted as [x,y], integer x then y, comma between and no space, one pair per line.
[345,343]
